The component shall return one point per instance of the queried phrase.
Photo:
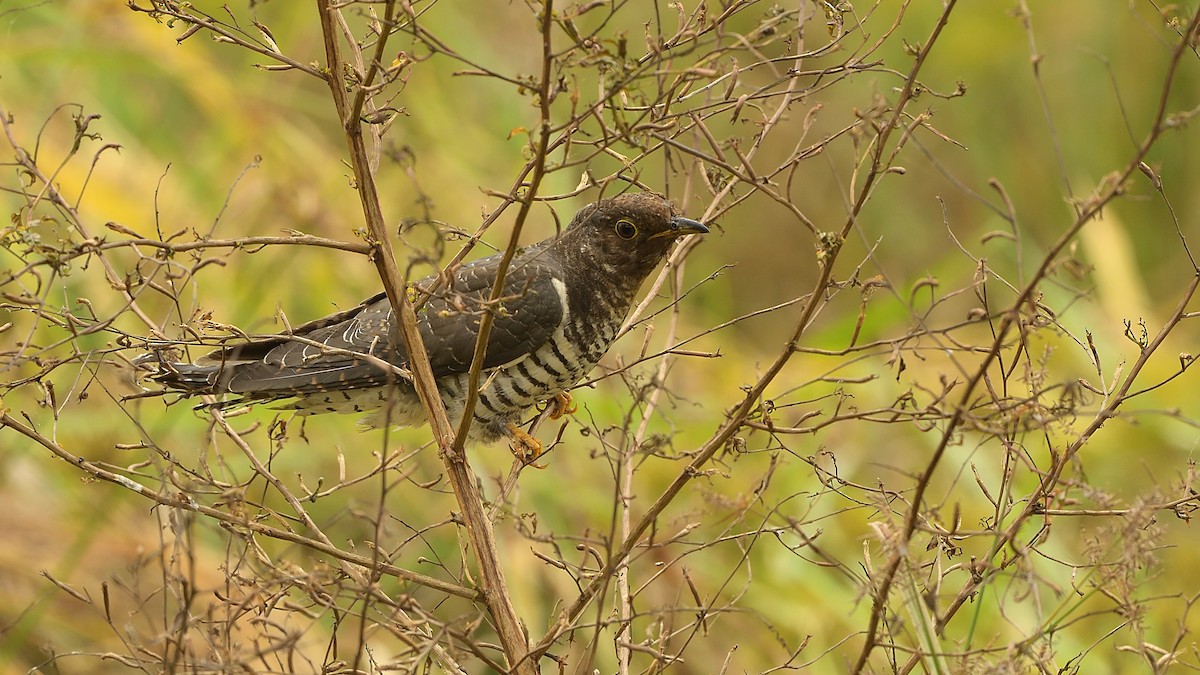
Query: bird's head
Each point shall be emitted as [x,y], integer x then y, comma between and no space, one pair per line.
[629,234]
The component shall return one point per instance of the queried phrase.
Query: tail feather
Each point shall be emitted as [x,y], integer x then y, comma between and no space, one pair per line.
[185,377]
[260,380]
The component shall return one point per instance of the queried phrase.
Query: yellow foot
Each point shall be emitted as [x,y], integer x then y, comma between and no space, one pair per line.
[562,404]
[525,447]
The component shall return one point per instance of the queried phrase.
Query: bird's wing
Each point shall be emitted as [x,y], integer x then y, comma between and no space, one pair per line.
[531,307]
[529,311]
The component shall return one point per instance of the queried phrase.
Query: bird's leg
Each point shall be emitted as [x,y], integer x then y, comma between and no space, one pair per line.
[562,404]
[525,447]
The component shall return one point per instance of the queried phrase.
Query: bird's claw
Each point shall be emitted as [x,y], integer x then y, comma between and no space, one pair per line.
[562,404]
[525,447]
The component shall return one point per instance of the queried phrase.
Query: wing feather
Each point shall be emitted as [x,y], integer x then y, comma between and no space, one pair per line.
[528,313]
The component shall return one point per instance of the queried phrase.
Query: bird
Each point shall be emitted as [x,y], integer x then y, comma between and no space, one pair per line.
[563,302]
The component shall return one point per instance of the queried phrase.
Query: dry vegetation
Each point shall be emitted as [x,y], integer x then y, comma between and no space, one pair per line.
[896,414]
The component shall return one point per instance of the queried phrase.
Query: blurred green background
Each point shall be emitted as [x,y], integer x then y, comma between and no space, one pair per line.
[192,118]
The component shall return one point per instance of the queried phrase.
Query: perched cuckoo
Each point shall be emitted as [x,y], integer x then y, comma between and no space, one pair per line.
[563,301]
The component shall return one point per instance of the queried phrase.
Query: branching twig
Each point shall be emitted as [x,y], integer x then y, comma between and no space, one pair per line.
[462,478]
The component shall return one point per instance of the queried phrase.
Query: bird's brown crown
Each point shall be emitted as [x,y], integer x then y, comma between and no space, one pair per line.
[629,234]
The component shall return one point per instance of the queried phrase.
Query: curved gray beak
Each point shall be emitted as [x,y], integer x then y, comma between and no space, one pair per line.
[681,226]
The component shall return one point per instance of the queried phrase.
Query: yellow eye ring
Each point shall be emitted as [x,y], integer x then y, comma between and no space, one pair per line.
[625,229]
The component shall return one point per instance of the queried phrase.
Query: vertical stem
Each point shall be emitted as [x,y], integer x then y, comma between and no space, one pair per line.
[535,179]
[462,478]
[624,597]
[734,419]
[624,600]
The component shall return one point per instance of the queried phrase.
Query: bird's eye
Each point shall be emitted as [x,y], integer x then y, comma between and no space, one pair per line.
[626,229]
